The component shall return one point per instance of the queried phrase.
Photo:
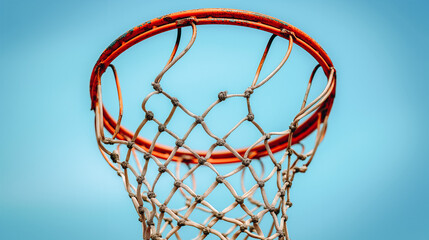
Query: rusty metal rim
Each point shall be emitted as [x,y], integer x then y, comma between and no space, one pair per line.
[203,17]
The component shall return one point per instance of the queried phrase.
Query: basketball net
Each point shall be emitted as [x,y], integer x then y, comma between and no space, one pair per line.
[261,215]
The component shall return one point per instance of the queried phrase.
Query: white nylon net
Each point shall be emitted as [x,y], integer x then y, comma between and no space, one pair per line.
[174,199]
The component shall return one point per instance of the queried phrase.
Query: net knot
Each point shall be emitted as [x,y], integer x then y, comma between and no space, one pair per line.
[261,184]
[199,199]
[150,222]
[175,101]
[141,209]
[271,209]
[181,222]
[293,126]
[206,231]
[177,183]
[151,194]
[222,96]
[155,236]
[246,162]
[289,204]
[162,169]
[250,117]
[255,219]
[282,193]
[124,165]
[239,200]
[130,144]
[199,119]
[281,234]
[162,208]
[140,179]
[278,166]
[220,179]
[219,215]
[180,142]
[220,142]
[202,160]
[146,156]
[302,169]
[267,136]
[108,141]
[243,228]
[161,128]
[157,87]
[248,92]
[114,156]
[149,115]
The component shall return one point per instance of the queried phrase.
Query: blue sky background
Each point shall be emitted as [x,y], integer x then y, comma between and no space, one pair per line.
[369,179]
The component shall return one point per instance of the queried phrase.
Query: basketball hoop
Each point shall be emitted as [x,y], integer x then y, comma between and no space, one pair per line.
[159,220]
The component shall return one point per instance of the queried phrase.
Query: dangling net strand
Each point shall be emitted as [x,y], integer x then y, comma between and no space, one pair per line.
[159,221]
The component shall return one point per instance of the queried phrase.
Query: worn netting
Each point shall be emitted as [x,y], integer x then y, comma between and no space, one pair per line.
[252,213]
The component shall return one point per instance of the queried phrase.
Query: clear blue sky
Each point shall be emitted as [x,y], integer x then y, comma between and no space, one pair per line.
[369,179]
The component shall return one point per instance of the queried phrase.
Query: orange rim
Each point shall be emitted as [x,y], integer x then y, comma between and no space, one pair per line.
[204,17]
